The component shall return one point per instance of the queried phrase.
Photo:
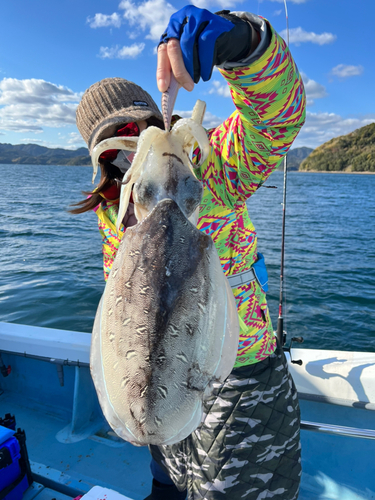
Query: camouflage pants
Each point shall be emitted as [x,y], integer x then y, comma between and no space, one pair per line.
[247,446]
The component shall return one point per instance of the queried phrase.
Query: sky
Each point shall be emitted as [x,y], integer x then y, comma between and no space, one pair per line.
[52,51]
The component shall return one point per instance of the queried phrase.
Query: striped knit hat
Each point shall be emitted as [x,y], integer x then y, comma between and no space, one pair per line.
[111,102]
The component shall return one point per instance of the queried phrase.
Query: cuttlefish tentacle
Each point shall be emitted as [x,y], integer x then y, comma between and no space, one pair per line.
[191,132]
[168,100]
[198,111]
[125,143]
[186,132]
[132,175]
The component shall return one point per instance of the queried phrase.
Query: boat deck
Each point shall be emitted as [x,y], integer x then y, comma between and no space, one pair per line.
[332,465]
[38,491]
[73,469]
[71,447]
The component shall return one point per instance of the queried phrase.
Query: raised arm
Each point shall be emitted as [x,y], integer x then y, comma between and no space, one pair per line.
[265,86]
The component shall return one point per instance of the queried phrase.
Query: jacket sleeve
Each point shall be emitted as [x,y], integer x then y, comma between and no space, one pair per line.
[270,105]
[107,216]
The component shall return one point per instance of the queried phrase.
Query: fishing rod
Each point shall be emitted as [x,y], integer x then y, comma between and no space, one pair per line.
[280,319]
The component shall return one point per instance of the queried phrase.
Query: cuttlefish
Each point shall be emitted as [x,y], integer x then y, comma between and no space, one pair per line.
[166,328]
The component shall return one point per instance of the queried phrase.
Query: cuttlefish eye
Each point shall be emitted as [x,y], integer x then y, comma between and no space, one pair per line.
[193,192]
[185,190]
[146,192]
[162,157]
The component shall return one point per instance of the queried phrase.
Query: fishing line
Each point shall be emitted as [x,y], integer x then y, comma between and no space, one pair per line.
[280,320]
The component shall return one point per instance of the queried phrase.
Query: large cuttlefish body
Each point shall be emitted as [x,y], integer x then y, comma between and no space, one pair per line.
[166,329]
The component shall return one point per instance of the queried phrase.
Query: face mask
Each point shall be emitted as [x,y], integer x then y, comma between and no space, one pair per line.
[123,160]
[125,141]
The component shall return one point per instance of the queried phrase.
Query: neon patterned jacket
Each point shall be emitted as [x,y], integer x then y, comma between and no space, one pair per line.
[270,110]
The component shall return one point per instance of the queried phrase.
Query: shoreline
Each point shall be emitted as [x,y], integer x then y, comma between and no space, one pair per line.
[278,169]
[332,172]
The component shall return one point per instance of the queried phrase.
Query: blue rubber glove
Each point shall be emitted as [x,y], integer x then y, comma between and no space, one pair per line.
[208,39]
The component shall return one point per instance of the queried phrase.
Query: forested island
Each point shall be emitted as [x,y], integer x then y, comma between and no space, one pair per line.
[354,152]
[33,154]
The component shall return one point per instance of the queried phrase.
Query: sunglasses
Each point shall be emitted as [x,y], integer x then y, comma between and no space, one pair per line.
[128,130]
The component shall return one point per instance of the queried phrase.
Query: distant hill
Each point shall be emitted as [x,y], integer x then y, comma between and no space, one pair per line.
[295,157]
[32,154]
[354,152]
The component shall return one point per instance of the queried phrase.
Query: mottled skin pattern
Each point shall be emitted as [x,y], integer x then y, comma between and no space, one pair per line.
[158,309]
[247,446]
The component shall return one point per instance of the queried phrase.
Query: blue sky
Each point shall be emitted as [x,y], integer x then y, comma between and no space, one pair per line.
[51,51]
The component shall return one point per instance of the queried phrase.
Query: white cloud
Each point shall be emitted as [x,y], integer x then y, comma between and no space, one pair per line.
[126,52]
[220,89]
[314,90]
[277,12]
[299,35]
[152,16]
[29,105]
[72,141]
[74,137]
[321,127]
[13,91]
[104,20]
[210,120]
[345,70]
[75,141]
[40,142]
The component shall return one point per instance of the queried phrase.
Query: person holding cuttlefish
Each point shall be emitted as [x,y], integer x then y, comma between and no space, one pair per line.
[247,444]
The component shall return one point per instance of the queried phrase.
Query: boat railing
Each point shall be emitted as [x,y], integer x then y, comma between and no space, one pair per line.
[332,377]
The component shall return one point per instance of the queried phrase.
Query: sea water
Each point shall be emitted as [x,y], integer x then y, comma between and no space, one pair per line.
[51,261]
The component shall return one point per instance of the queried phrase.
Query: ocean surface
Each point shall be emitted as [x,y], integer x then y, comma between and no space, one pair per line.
[51,261]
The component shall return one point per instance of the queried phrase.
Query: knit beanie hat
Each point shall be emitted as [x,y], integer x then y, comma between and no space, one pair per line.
[112,101]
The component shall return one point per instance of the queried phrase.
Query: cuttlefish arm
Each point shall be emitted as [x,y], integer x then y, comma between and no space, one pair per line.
[168,100]
[125,143]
